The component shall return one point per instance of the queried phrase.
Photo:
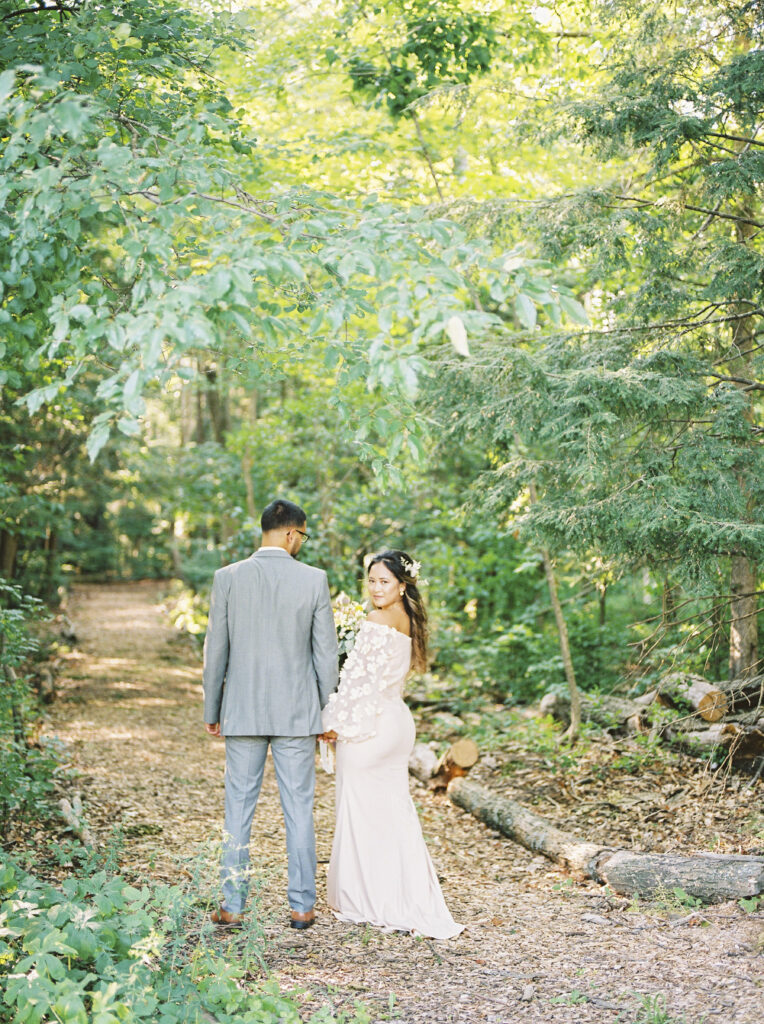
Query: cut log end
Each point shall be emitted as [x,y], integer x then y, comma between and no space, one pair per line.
[707,700]
[712,706]
[436,773]
[462,754]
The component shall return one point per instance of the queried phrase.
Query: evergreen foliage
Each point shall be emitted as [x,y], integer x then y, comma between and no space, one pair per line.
[643,436]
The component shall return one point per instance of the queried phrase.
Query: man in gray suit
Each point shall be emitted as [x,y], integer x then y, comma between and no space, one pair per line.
[270,664]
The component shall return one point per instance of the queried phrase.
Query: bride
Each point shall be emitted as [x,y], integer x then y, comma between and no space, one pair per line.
[380,871]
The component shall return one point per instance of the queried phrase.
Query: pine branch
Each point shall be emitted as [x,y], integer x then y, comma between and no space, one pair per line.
[695,209]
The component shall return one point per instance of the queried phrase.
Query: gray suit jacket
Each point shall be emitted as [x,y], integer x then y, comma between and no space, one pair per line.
[270,653]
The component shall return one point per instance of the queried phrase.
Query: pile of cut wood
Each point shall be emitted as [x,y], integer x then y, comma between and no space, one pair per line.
[707,877]
[699,715]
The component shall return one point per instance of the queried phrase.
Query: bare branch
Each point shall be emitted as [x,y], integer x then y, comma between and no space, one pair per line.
[55,8]
[426,154]
[750,385]
[735,138]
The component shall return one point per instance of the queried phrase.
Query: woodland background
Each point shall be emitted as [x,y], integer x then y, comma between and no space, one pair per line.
[479,280]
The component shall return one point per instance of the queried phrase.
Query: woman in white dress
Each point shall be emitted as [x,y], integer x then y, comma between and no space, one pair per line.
[380,871]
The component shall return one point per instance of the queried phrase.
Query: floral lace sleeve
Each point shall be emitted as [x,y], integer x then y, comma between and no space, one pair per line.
[352,711]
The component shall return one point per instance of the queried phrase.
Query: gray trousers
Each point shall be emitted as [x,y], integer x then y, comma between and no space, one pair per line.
[294,758]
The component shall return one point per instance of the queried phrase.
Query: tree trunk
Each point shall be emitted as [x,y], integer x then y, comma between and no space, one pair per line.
[216,405]
[51,562]
[199,432]
[186,413]
[567,661]
[669,603]
[708,877]
[175,555]
[744,638]
[249,490]
[426,153]
[562,632]
[9,546]
[11,682]
[602,602]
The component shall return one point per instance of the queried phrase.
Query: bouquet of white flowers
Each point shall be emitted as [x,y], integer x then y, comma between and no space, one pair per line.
[348,616]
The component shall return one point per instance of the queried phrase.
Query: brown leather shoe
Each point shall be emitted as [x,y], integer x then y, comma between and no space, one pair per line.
[302,920]
[224,919]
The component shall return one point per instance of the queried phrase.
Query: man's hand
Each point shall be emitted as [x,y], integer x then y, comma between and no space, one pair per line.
[213,730]
[328,737]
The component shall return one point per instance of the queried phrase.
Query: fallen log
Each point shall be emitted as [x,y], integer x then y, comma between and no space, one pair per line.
[436,773]
[744,694]
[617,714]
[431,705]
[711,878]
[459,758]
[707,700]
[740,741]
[720,734]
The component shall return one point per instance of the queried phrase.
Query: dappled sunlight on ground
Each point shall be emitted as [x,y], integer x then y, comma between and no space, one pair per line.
[539,946]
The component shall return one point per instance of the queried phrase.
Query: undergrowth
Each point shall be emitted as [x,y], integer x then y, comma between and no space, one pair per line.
[94,949]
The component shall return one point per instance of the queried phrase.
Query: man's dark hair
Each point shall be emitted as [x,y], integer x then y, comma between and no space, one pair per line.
[282,514]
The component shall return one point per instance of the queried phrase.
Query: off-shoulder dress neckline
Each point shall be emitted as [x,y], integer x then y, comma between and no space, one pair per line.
[382,625]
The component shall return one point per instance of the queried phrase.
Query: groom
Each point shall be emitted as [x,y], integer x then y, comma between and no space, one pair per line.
[270,664]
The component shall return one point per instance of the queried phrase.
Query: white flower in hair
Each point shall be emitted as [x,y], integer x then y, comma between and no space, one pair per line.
[413,569]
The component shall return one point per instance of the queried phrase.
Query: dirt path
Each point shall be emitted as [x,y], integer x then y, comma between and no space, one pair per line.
[537,948]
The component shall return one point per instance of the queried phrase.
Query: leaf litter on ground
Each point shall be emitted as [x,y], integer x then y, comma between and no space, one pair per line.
[539,946]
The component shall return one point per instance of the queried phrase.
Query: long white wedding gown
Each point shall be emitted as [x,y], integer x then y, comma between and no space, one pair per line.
[380,871]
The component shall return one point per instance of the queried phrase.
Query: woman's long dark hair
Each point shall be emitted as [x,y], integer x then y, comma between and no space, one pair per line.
[400,565]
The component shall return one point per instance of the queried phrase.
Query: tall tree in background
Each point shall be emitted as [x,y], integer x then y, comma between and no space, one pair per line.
[644,436]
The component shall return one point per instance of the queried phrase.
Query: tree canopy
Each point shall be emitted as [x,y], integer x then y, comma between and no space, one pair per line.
[397,257]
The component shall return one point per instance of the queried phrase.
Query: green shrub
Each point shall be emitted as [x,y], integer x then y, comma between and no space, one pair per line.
[26,782]
[97,950]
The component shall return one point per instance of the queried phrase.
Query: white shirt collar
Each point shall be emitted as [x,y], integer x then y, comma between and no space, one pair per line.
[272,547]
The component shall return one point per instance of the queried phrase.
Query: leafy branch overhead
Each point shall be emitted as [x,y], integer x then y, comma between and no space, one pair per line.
[506,251]
[137,231]
[426,45]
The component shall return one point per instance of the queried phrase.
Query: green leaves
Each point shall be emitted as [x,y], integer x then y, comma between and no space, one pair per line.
[441,44]
[98,951]
[573,308]
[526,310]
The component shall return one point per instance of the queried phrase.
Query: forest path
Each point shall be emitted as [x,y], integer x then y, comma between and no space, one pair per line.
[537,947]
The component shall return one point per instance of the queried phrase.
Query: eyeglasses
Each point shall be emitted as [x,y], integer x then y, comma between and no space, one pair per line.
[305,536]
